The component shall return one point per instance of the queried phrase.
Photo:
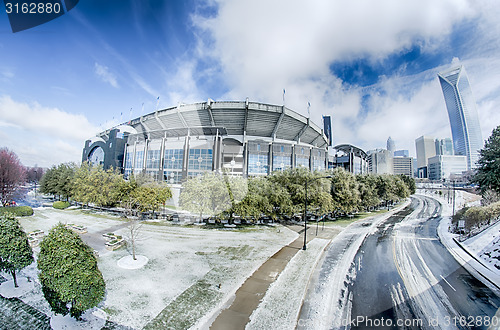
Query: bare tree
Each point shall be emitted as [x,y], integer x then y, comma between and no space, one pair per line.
[134,227]
[12,173]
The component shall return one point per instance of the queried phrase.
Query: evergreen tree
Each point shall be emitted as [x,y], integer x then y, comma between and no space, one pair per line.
[488,171]
[69,273]
[15,251]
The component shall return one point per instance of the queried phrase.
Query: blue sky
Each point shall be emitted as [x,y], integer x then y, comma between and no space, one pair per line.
[370,64]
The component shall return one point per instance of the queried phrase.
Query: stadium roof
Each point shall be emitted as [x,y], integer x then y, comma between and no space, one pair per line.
[231,118]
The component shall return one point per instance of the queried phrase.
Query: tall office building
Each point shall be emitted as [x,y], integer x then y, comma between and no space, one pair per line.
[426,148]
[402,153]
[464,121]
[444,147]
[391,146]
[380,161]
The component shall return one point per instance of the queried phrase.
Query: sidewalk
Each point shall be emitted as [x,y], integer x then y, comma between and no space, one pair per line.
[250,294]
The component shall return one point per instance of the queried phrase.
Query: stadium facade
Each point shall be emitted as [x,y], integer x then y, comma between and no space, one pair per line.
[240,138]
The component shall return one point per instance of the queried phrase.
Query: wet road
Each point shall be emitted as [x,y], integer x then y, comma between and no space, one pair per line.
[400,276]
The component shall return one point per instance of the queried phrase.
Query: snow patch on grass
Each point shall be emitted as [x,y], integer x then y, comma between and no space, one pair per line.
[128,262]
[190,272]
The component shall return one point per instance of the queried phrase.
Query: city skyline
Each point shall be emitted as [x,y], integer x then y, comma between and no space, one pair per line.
[371,67]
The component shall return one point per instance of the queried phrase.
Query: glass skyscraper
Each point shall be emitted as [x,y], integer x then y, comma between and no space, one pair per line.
[464,121]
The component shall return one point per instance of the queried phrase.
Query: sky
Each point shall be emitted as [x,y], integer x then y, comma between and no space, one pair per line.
[371,65]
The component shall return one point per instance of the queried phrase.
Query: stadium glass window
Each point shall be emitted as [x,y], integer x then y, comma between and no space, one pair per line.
[153,159]
[281,163]
[173,159]
[139,159]
[199,160]
[257,164]
[301,162]
[128,166]
[318,164]
[172,176]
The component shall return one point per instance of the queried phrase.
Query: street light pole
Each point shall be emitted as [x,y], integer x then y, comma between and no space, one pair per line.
[305,206]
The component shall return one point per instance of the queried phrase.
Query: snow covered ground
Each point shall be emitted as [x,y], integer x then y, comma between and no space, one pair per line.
[486,245]
[189,272]
[281,305]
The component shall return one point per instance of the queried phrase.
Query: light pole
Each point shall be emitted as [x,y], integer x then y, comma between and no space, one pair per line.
[305,206]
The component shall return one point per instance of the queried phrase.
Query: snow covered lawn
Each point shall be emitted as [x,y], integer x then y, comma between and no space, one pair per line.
[486,245]
[281,305]
[190,271]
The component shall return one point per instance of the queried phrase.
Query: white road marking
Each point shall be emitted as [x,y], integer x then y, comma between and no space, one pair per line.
[447,282]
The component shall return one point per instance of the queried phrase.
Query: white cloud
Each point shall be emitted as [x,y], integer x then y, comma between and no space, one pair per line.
[42,135]
[105,75]
[264,46]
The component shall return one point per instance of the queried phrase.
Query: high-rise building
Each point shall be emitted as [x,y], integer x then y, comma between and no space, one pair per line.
[380,161]
[464,121]
[403,165]
[391,146]
[402,153]
[443,166]
[444,147]
[426,148]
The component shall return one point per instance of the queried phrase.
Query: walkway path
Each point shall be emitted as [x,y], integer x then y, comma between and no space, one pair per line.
[250,294]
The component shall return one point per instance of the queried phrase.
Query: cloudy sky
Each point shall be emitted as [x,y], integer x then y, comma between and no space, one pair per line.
[370,64]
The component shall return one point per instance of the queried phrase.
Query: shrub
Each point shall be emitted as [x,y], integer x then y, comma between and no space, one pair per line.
[60,205]
[18,211]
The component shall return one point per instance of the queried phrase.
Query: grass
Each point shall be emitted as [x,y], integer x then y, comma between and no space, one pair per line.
[18,211]
[191,305]
[188,307]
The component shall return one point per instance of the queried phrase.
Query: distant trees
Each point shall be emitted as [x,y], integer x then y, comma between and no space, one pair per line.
[68,273]
[12,174]
[488,171]
[282,194]
[15,251]
[58,181]
[34,174]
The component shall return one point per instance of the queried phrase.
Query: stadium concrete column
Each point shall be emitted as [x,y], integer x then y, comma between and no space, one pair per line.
[133,158]
[162,159]
[185,156]
[311,162]
[145,157]
[245,159]
[270,160]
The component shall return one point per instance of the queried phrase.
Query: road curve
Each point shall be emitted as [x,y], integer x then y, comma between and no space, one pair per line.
[400,276]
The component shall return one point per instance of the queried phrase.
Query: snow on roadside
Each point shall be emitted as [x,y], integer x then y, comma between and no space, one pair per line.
[281,304]
[179,257]
[486,245]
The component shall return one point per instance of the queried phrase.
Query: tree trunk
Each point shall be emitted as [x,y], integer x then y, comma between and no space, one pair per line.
[13,272]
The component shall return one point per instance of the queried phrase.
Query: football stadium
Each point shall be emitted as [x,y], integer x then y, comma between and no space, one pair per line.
[238,138]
